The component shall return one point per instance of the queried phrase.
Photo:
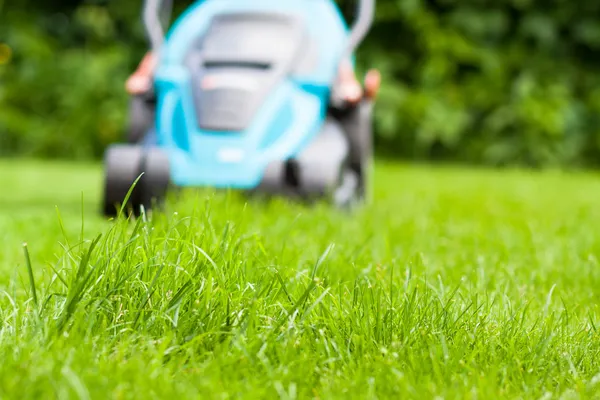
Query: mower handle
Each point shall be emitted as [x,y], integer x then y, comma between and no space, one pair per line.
[153,23]
[362,25]
[156,34]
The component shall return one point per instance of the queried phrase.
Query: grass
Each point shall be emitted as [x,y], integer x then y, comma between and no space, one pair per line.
[456,283]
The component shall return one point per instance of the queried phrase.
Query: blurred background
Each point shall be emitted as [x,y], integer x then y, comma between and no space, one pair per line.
[482,82]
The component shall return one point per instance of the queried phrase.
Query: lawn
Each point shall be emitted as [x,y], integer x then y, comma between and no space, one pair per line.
[455,283]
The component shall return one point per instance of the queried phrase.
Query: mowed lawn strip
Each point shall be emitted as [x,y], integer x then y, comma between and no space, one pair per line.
[455,283]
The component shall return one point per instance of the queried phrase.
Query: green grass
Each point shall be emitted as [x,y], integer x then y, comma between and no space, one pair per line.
[456,283]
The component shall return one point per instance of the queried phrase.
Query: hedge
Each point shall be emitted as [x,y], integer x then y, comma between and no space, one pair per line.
[479,81]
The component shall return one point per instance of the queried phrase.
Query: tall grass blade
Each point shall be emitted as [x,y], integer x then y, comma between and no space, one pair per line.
[30,272]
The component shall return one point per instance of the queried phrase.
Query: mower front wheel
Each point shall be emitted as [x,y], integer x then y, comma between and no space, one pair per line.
[121,168]
[123,165]
[156,179]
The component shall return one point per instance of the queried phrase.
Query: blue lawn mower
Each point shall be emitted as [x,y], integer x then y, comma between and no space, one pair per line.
[245,98]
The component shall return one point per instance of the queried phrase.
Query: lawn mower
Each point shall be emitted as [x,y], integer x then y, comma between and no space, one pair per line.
[245,98]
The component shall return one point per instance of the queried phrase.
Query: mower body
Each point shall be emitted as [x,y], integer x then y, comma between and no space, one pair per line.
[242,100]
[245,84]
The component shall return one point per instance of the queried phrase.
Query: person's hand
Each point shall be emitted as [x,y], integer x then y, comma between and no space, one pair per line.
[140,81]
[351,91]
[348,88]
[372,84]
[138,84]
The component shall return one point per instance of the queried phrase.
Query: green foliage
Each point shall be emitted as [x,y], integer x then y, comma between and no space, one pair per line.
[62,91]
[494,82]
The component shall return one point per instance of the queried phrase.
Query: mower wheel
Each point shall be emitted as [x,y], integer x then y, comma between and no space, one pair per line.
[156,179]
[122,167]
[358,128]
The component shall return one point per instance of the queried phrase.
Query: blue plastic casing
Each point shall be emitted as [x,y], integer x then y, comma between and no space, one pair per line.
[289,119]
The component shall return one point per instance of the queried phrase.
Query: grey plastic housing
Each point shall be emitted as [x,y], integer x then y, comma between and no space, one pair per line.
[237,62]
[153,9]
[316,171]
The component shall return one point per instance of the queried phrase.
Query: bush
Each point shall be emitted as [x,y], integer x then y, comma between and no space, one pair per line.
[489,82]
[502,82]
[62,92]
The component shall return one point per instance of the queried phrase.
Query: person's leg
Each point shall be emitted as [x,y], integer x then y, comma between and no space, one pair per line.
[141,80]
[357,121]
